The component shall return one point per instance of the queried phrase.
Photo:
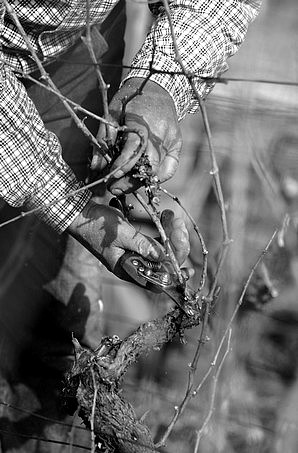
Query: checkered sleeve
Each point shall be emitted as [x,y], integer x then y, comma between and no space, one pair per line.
[32,171]
[207,33]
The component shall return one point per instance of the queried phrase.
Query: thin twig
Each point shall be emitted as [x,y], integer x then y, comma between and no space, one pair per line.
[240,300]
[40,439]
[220,198]
[76,107]
[199,234]
[202,340]
[102,85]
[127,99]
[40,417]
[154,216]
[222,80]
[215,173]
[212,400]
[179,410]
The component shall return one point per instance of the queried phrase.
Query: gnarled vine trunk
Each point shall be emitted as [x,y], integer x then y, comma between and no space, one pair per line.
[94,383]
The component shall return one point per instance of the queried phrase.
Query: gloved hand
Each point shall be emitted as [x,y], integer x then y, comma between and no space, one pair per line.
[105,232]
[153,114]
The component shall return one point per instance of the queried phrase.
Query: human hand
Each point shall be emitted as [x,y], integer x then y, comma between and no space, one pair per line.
[104,231]
[153,115]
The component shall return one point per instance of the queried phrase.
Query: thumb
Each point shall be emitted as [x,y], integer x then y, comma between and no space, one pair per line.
[177,233]
[170,163]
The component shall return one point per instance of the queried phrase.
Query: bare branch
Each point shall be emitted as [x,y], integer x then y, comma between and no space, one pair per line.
[155,218]
[240,301]
[76,107]
[212,400]
[102,85]
[179,410]
[199,234]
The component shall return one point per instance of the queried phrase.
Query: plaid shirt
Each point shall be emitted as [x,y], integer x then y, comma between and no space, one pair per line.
[32,172]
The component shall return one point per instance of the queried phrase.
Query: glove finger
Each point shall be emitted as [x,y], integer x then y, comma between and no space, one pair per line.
[166,219]
[177,233]
[169,165]
[143,245]
[180,240]
[147,247]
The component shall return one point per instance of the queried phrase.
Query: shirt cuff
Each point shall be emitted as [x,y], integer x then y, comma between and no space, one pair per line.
[169,76]
[60,215]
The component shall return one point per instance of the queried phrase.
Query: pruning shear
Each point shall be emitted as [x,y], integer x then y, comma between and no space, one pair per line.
[155,276]
[158,277]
